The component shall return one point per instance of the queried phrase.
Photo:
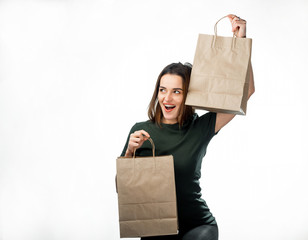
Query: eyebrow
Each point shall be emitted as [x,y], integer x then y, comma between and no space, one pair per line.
[172,88]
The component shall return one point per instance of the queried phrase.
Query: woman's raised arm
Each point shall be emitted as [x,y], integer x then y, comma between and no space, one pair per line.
[237,24]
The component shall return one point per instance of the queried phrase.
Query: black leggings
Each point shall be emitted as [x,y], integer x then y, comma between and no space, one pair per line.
[203,232]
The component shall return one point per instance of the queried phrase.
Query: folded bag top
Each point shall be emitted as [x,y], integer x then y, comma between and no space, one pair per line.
[220,74]
[146,195]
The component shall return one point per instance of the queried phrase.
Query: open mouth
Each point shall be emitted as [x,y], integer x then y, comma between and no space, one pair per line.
[169,108]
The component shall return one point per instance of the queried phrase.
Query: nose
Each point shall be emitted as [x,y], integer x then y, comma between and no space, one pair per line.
[168,97]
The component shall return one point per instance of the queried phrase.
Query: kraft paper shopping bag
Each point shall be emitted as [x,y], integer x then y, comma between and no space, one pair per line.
[220,74]
[146,196]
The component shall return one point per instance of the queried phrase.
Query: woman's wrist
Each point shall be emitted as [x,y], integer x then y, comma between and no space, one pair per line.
[128,153]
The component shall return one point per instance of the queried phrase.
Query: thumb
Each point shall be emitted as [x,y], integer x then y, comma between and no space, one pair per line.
[230,16]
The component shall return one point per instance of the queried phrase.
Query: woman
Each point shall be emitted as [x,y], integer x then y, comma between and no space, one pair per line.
[176,130]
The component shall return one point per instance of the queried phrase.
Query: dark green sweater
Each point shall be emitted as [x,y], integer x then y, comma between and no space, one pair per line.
[188,147]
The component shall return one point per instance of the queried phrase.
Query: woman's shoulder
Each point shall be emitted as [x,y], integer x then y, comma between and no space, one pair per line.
[147,122]
[141,125]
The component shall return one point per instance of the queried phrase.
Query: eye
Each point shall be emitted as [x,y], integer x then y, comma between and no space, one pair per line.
[162,90]
[177,91]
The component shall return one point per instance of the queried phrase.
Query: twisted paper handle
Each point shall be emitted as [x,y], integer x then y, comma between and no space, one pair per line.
[153,148]
[215,26]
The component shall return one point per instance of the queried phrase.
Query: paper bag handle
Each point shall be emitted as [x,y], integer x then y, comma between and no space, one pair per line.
[215,30]
[215,27]
[153,148]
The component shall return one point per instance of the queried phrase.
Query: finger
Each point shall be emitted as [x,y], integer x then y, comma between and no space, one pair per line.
[145,133]
[235,19]
[142,134]
[239,24]
[138,134]
[134,144]
[231,16]
[231,19]
[235,27]
[136,140]
[238,20]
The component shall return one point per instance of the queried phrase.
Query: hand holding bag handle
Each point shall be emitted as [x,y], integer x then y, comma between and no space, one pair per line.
[134,156]
[215,35]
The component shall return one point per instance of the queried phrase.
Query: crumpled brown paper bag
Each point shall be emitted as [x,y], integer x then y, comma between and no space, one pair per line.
[146,196]
[220,74]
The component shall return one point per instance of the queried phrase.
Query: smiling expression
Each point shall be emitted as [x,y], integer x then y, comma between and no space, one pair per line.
[170,97]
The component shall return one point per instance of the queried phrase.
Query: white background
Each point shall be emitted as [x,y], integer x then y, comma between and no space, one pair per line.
[76,75]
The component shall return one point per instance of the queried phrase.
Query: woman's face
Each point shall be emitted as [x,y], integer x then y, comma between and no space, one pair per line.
[170,97]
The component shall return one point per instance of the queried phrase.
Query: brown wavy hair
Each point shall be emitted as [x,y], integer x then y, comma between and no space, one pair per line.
[155,112]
